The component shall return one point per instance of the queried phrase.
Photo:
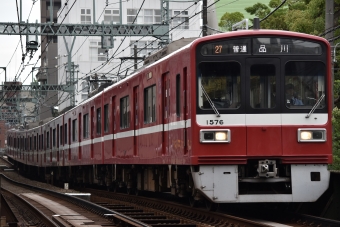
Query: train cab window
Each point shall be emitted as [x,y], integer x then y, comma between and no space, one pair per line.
[262,86]
[124,112]
[85,125]
[106,118]
[150,104]
[99,121]
[74,130]
[304,84]
[219,84]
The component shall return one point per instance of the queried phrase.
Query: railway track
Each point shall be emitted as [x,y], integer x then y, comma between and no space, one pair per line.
[49,208]
[120,211]
[258,217]
[152,211]
[145,211]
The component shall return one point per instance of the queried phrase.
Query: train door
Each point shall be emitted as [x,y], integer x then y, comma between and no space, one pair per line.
[135,120]
[185,110]
[165,112]
[113,125]
[263,118]
[92,130]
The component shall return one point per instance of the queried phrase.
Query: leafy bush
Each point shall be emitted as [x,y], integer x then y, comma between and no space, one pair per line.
[336,139]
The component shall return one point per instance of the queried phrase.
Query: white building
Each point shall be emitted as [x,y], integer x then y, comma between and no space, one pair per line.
[87,53]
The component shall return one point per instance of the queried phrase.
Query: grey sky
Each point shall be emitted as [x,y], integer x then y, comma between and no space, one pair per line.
[8,44]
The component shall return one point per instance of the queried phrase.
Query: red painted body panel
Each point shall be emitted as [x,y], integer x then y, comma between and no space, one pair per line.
[264,141]
[179,146]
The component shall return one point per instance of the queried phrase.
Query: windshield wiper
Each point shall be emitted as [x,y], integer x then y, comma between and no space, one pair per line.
[316,105]
[210,102]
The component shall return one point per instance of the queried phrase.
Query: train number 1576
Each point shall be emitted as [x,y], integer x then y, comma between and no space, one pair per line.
[214,122]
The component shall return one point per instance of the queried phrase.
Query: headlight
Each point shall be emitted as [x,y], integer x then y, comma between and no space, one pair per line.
[311,135]
[215,136]
[221,136]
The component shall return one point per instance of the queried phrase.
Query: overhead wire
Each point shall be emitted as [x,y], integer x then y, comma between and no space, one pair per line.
[2,98]
[49,41]
[124,36]
[113,55]
[130,45]
[19,40]
[195,14]
[22,48]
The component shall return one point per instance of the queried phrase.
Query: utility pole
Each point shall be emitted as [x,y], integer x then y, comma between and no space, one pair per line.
[204,17]
[135,55]
[329,14]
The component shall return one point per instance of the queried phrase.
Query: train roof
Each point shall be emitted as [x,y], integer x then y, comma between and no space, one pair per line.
[184,43]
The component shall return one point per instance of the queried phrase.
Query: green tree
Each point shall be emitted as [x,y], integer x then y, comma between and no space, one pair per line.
[336,139]
[228,19]
[306,16]
[275,20]
[259,9]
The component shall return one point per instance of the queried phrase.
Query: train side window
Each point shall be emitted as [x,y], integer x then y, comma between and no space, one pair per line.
[48,140]
[65,134]
[150,104]
[99,121]
[74,130]
[53,137]
[30,143]
[178,95]
[42,141]
[124,112]
[57,135]
[85,125]
[61,135]
[106,118]
[35,143]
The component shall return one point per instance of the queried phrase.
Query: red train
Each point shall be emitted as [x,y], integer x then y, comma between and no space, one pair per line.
[237,117]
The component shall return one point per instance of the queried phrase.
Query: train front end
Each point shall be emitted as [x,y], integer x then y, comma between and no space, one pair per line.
[262,117]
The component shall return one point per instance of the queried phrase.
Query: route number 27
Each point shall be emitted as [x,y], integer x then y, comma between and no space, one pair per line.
[218,49]
[214,122]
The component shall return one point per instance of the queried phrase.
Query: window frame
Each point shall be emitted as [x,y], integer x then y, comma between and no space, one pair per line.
[74,130]
[98,121]
[106,118]
[150,104]
[124,112]
[85,15]
[86,126]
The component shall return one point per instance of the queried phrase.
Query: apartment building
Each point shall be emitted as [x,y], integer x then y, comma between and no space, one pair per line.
[90,60]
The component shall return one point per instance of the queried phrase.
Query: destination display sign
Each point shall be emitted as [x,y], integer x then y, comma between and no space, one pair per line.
[261,46]
[228,47]
[277,45]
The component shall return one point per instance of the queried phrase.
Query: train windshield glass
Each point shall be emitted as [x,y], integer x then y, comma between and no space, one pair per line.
[262,86]
[304,84]
[221,82]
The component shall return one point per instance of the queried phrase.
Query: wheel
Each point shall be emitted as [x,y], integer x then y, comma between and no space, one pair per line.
[115,188]
[193,202]
[129,191]
[211,206]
